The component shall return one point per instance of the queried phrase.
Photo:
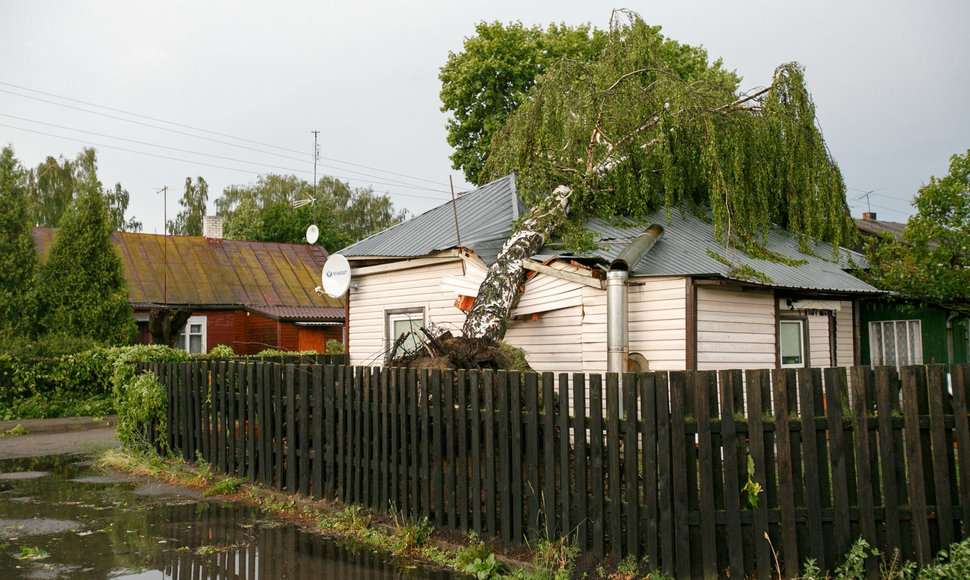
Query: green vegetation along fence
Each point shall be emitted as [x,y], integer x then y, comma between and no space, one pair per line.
[693,472]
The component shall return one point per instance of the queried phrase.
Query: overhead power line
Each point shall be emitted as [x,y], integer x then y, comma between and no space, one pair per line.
[204,164]
[193,128]
[224,158]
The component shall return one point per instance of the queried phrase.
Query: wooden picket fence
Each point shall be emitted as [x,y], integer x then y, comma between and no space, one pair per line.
[653,464]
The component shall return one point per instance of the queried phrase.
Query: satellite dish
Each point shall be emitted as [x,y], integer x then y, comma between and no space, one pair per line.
[312,234]
[336,276]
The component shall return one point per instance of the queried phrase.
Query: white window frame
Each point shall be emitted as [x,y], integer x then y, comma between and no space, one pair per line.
[801,322]
[184,340]
[414,315]
[911,347]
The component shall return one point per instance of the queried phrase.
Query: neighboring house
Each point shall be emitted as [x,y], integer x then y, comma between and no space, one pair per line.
[896,331]
[686,308]
[249,295]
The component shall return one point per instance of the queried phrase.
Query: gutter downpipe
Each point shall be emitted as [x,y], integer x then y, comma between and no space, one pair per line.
[617,304]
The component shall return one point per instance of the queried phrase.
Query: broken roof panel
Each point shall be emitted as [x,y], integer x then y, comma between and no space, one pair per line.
[688,247]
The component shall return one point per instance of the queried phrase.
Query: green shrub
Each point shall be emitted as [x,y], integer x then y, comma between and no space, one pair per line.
[334,346]
[47,346]
[83,383]
[221,351]
[141,402]
[953,562]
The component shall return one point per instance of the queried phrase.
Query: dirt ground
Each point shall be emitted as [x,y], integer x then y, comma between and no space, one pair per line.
[57,437]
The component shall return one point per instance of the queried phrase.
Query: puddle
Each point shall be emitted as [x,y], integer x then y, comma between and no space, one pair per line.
[17,529]
[22,475]
[81,523]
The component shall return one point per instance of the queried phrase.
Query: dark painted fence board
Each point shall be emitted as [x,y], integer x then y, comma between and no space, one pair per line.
[913,380]
[655,464]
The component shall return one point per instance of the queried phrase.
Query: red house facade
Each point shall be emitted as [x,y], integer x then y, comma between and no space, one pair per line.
[251,296]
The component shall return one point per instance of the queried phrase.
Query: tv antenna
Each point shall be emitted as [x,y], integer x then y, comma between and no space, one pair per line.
[312,232]
[866,194]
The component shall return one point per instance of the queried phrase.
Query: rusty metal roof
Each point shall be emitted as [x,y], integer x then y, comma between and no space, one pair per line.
[216,272]
[299,313]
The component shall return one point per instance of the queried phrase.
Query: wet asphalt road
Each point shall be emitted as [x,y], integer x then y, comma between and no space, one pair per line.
[57,437]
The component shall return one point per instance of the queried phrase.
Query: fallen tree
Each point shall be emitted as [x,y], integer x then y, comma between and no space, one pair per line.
[626,134]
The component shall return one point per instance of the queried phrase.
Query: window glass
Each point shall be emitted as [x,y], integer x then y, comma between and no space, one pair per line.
[875,344]
[193,337]
[402,324]
[915,343]
[896,342]
[792,351]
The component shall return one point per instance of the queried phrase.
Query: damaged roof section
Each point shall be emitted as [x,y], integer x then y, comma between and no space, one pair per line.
[688,247]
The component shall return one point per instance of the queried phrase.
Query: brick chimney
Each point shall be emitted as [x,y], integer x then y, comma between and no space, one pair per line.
[869,216]
[212,227]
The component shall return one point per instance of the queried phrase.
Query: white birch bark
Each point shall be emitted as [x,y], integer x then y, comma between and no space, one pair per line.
[502,287]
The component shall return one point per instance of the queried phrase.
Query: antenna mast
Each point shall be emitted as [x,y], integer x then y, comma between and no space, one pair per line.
[165,246]
[316,157]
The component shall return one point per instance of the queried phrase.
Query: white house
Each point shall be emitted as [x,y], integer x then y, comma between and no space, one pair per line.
[688,308]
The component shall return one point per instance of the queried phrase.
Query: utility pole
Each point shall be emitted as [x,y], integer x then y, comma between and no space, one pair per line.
[316,156]
[165,246]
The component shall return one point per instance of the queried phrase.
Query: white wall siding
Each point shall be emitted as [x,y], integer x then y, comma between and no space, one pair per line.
[735,330]
[844,335]
[658,322]
[422,287]
[551,342]
[819,341]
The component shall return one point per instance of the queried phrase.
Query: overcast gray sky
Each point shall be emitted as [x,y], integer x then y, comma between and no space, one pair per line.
[229,90]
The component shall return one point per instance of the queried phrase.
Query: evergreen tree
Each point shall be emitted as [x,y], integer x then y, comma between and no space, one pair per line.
[81,288]
[18,254]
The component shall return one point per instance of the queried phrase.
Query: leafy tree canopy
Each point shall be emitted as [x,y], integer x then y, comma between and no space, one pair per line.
[81,289]
[932,262]
[18,254]
[626,133]
[188,222]
[488,80]
[265,211]
[55,183]
[631,131]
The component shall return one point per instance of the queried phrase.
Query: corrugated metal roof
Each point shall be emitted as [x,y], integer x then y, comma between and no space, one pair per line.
[689,241]
[216,272]
[683,250]
[485,216]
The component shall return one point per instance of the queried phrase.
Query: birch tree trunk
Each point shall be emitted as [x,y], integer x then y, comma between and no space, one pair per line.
[502,287]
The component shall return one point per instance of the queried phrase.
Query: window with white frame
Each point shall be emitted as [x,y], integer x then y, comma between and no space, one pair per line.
[192,338]
[896,343]
[791,343]
[403,322]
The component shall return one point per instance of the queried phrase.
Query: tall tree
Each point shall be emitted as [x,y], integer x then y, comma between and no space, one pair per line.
[188,222]
[488,80]
[265,211]
[18,254]
[117,200]
[55,183]
[932,262]
[81,289]
[52,188]
[626,133]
